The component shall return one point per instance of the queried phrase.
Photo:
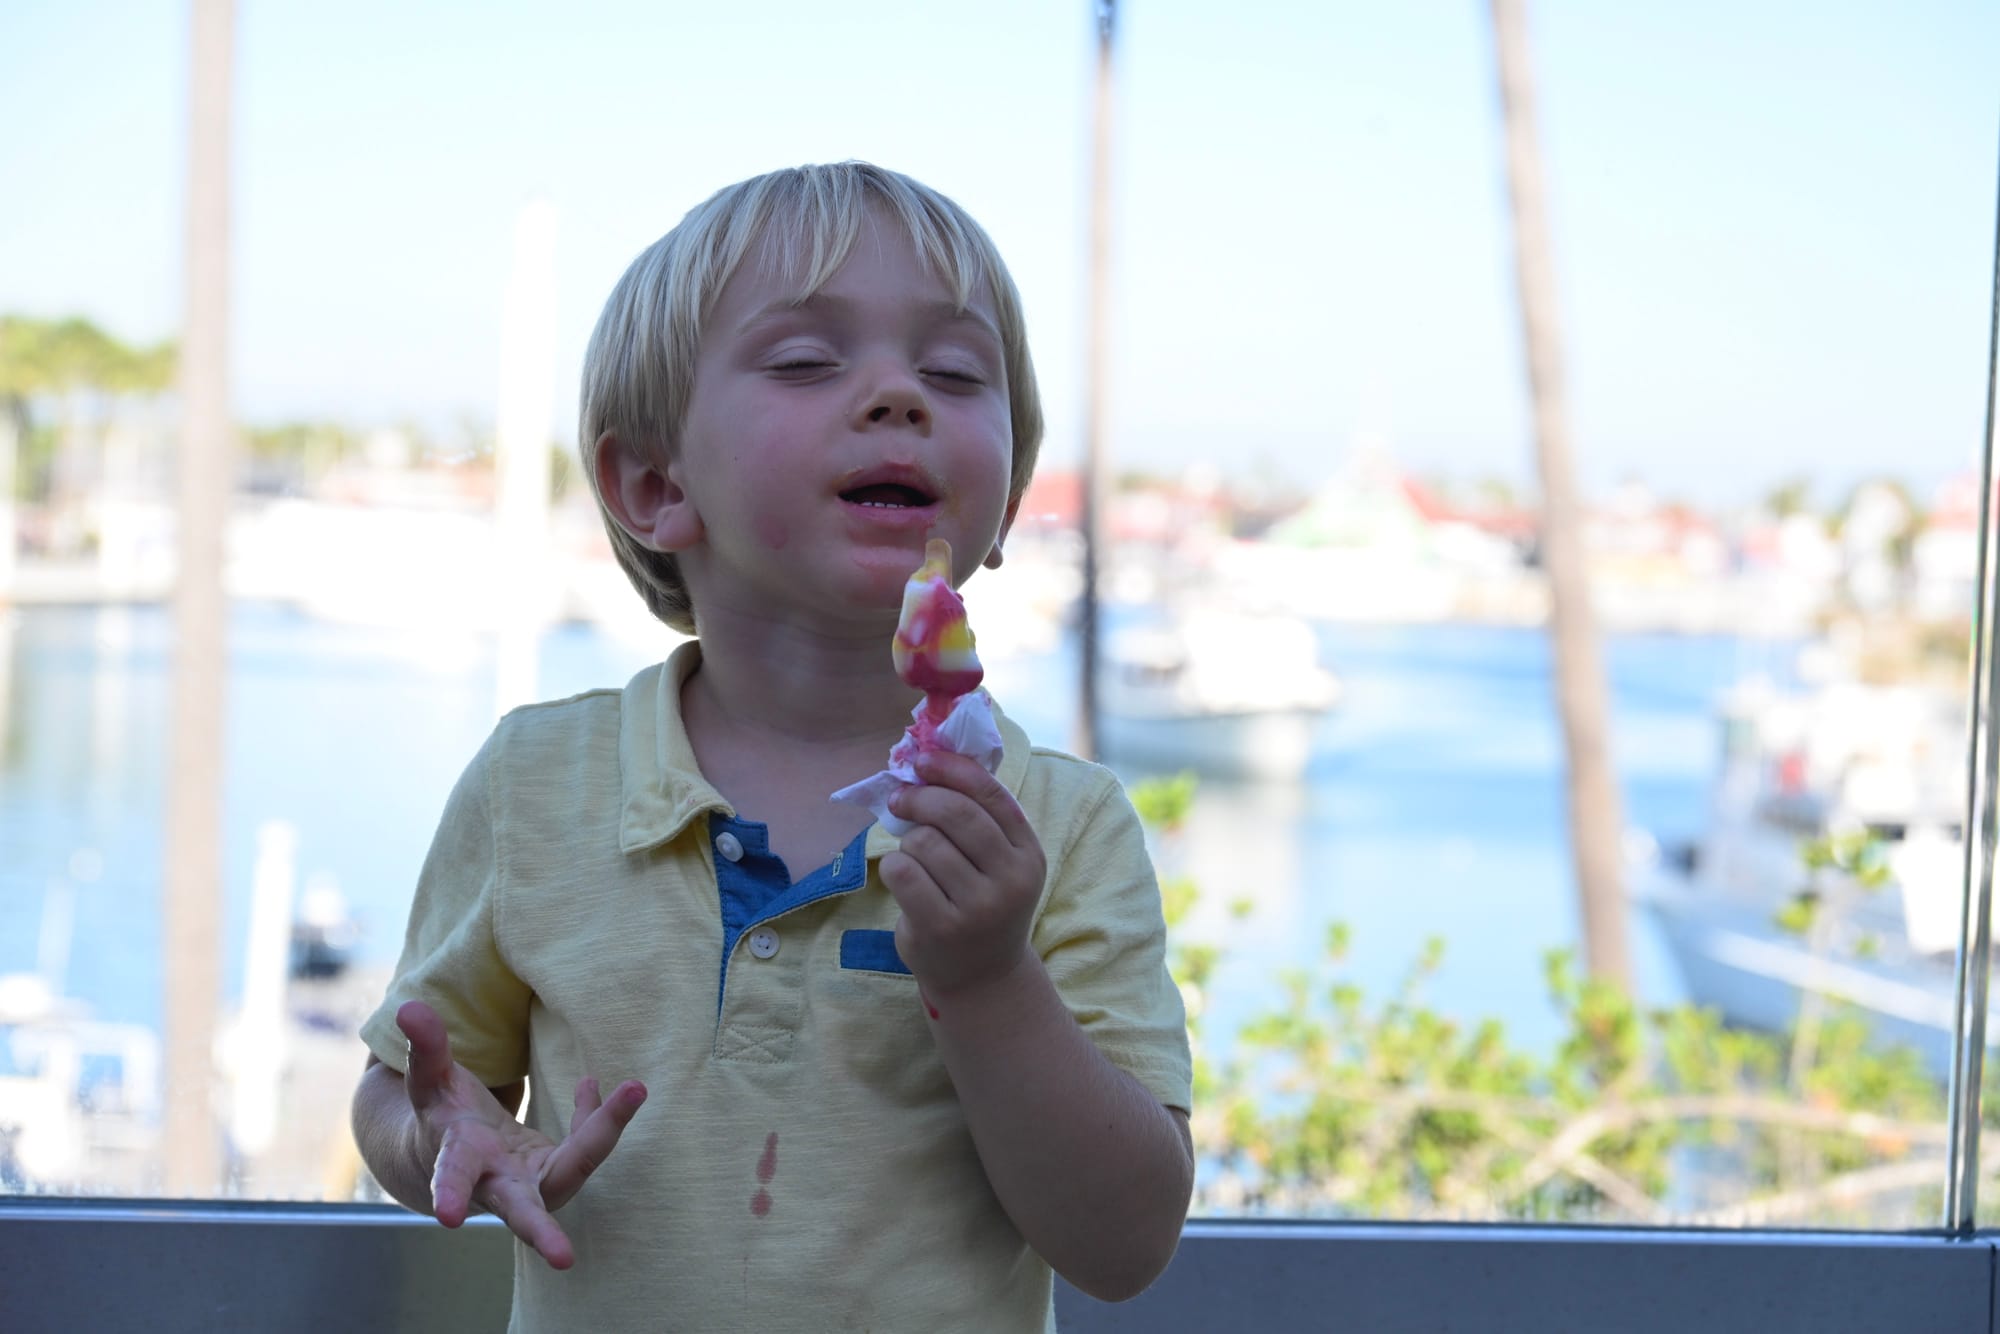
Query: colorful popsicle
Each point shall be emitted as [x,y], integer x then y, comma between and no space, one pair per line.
[934,647]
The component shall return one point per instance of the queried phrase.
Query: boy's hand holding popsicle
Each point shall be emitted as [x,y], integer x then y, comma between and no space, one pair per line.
[967,877]
[933,652]
[970,869]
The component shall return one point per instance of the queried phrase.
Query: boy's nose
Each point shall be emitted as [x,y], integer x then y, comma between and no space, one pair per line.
[912,413]
[898,406]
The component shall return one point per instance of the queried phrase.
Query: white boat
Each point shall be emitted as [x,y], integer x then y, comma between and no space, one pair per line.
[1222,692]
[1848,758]
[1734,957]
[72,1089]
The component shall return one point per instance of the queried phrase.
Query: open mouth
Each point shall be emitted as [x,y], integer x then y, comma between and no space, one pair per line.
[888,495]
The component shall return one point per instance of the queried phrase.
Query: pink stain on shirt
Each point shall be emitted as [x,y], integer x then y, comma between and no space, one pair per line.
[767,1167]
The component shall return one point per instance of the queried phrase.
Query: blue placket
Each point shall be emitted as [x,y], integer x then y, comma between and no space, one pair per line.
[755,887]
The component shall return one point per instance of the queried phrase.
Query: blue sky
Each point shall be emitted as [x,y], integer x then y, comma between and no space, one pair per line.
[1774,222]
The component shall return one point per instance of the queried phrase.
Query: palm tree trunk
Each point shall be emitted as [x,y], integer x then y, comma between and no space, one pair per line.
[1596,824]
[191,913]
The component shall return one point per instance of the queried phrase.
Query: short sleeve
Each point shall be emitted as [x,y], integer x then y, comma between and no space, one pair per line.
[1103,937]
[451,957]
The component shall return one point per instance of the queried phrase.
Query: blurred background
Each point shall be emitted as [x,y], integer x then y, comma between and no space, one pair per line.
[1302,505]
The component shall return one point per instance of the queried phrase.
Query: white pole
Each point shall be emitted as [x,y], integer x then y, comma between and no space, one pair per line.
[190,911]
[521,450]
[9,454]
[58,929]
[259,1056]
[7,631]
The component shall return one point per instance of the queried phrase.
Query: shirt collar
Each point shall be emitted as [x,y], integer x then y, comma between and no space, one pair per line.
[662,785]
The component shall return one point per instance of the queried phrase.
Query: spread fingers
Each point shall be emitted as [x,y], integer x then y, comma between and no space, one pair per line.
[519,1206]
[593,1134]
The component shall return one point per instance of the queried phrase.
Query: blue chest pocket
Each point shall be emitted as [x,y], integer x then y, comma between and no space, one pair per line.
[871,951]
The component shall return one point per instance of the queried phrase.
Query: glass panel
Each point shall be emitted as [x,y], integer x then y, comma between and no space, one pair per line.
[1783,579]
[1323,596]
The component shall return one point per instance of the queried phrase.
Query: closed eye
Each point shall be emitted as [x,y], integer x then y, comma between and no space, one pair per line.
[802,370]
[960,377]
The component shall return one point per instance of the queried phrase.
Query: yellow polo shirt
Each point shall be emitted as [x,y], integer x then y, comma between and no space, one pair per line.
[802,1162]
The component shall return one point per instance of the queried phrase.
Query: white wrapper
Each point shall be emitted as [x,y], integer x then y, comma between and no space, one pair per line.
[968,729]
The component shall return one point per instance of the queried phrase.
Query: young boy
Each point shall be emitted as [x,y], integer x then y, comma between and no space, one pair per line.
[889,1083]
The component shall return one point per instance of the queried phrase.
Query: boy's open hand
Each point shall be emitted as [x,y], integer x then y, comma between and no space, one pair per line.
[967,878]
[486,1158]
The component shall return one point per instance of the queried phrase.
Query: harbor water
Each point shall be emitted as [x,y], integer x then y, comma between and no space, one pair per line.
[1433,805]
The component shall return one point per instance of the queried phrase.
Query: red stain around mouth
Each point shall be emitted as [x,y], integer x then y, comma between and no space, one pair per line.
[767,1167]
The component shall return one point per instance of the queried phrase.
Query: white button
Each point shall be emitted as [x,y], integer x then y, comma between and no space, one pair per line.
[763,942]
[730,846]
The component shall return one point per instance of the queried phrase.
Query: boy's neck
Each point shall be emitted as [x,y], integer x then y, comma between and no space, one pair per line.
[779,717]
[800,685]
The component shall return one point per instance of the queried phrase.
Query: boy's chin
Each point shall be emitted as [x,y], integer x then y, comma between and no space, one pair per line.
[881,574]
[867,598]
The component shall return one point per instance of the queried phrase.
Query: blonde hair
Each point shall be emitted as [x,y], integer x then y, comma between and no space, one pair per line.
[638,374]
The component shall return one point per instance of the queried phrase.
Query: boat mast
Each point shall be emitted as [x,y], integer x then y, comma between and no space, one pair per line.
[1096,367]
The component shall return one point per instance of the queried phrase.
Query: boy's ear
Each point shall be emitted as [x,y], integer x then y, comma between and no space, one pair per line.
[645,499]
[995,556]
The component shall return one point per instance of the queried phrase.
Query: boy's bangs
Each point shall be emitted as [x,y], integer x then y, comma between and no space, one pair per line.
[806,232]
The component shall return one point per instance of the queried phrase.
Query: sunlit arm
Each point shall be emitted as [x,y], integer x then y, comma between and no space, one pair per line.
[1089,1166]
[385,1131]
